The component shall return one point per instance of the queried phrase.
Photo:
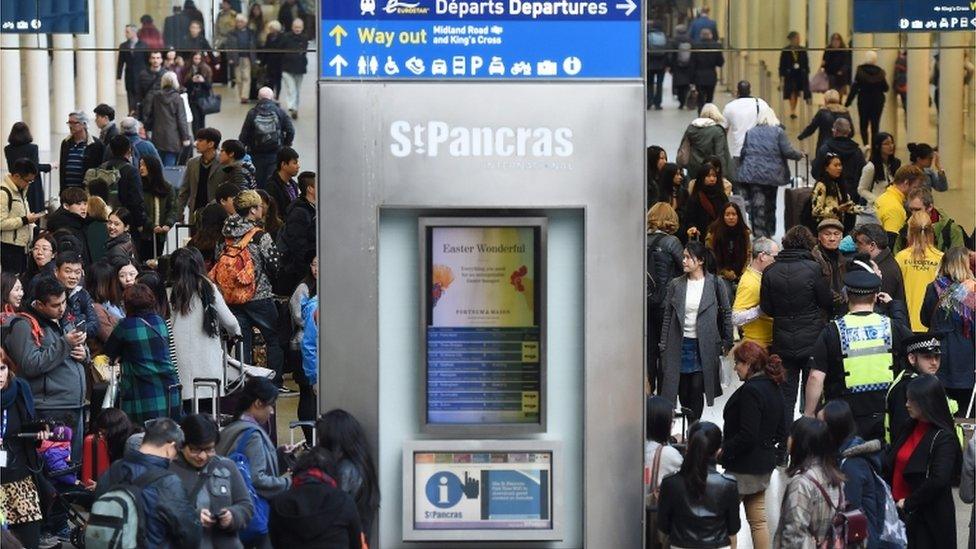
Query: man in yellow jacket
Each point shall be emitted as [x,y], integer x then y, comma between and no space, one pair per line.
[15,215]
[890,206]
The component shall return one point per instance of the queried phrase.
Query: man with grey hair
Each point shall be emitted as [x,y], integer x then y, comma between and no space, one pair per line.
[80,151]
[140,147]
[745,309]
[131,62]
[265,131]
[851,158]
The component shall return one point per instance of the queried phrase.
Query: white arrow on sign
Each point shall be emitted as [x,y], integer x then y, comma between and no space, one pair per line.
[629,6]
[338,62]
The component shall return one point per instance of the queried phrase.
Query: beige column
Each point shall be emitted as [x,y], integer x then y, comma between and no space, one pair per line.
[816,31]
[752,35]
[839,19]
[797,16]
[63,91]
[10,99]
[123,17]
[38,88]
[105,57]
[740,38]
[919,124]
[887,44]
[951,140]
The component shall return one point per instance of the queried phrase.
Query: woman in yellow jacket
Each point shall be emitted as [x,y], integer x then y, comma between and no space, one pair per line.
[919,263]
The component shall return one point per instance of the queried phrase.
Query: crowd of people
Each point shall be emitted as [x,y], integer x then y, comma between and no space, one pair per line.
[863,310]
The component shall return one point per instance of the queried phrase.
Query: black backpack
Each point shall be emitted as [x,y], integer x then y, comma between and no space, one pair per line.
[659,271]
[267,130]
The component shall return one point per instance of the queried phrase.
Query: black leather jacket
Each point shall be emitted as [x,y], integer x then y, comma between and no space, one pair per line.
[705,524]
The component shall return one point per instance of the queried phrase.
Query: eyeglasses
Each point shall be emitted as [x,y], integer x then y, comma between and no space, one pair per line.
[208,451]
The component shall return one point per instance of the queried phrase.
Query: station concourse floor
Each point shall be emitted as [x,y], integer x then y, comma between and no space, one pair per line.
[664,128]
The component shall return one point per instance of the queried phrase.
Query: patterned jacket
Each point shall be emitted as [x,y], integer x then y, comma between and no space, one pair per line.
[146,387]
[805,512]
[263,252]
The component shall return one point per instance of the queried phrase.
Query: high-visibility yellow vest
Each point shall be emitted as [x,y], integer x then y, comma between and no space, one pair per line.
[865,343]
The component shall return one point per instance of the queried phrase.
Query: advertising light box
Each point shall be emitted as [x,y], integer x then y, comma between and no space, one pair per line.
[483,327]
[502,489]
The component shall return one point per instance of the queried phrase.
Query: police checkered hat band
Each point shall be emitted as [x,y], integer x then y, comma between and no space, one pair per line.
[929,345]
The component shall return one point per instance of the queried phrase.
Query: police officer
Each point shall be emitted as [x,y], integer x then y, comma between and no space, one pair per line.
[924,355]
[853,359]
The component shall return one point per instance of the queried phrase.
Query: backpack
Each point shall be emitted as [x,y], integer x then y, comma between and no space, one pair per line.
[849,527]
[683,57]
[109,176]
[118,517]
[233,272]
[267,129]
[658,269]
[893,529]
[656,40]
[67,241]
[652,483]
[258,525]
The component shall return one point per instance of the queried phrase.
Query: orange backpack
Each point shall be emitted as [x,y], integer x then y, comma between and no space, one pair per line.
[233,272]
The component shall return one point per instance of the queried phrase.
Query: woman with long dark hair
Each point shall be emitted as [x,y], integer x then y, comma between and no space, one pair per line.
[657,157]
[754,429]
[860,461]
[198,314]
[830,198]
[272,214]
[838,63]
[949,308]
[246,434]
[926,157]
[115,427]
[814,490]
[672,188]
[160,201]
[106,294]
[705,201]
[730,240]
[340,433]
[696,331]
[208,235]
[877,174]
[922,463]
[660,460]
[699,505]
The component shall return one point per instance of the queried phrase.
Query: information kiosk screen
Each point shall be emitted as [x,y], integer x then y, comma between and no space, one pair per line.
[483,327]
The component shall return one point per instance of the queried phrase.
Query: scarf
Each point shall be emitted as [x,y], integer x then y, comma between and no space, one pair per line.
[313,475]
[958,303]
[18,389]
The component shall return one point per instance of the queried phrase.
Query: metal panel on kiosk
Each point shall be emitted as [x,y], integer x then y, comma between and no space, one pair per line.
[504,148]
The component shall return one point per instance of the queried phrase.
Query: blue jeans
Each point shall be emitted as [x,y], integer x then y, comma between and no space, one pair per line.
[263,315]
[690,356]
[168,158]
[655,87]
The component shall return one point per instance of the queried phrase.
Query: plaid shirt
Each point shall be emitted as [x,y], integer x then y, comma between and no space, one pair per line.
[146,389]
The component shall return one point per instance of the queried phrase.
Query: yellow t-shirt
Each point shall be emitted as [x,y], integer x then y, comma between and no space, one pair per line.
[890,208]
[918,274]
[759,330]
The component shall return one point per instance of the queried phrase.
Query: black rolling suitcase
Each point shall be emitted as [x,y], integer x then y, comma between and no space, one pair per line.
[798,195]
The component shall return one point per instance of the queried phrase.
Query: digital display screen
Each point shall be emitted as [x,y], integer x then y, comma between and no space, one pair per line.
[482,490]
[483,335]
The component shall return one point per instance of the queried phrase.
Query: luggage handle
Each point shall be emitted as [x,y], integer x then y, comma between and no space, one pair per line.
[211,383]
[294,424]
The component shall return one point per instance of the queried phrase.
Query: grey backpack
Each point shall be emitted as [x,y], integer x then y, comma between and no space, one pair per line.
[118,517]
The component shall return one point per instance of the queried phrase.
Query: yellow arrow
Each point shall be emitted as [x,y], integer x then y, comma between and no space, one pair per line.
[338,33]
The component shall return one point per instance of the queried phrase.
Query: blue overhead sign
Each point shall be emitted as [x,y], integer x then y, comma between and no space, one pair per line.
[480,39]
[914,15]
[43,16]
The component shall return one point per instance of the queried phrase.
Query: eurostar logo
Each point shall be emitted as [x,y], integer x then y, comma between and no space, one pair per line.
[404,8]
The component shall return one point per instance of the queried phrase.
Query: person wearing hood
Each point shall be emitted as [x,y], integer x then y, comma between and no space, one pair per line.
[704,64]
[266,129]
[705,137]
[80,152]
[851,157]
[328,515]
[763,169]
[823,121]
[794,72]
[261,311]
[869,88]
[680,63]
[860,461]
[794,293]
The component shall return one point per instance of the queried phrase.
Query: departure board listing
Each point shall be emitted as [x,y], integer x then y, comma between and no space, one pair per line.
[482,39]
[483,335]
[482,490]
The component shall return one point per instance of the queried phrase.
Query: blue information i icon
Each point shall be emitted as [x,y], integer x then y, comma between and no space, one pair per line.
[444,490]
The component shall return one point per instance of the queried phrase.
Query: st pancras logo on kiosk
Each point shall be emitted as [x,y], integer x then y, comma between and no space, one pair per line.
[434,138]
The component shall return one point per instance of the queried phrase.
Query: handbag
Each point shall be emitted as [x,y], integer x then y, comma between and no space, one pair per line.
[186,107]
[209,104]
[653,484]
[819,83]
[848,528]
[683,158]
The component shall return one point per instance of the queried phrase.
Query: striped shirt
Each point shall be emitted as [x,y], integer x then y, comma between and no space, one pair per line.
[74,168]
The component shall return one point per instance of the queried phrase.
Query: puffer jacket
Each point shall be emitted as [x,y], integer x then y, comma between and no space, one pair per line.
[762,160]
[14,228]
[796,296]
[263,252]
[121,249]
[170,519]
[57,381]
[707,138]
[860,462]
